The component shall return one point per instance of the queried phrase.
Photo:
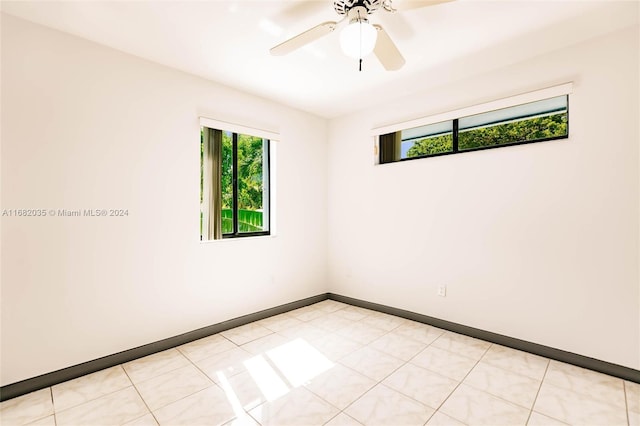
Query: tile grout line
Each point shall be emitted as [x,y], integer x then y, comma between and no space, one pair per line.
[340,412]
[429,371]
[140,395]
[94,398]
[587,395]
[17,388]
[177,348]
[55,421]
[626,404]
[504,370]
[304,322]
[534,402]
[392,372]
[582,361]
[377,382]
[218,386]
[409,362]
[292,387]
[427,347]
[329,332]
[460,382]
[345,366]
[507,370]
[237,346]
[538,392]
[338,408]
[248,341]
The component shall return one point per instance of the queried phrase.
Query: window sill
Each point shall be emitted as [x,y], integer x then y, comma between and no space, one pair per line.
[252,238]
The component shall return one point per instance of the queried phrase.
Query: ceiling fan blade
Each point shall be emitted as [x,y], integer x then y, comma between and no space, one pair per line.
[387,52]
[304,38]
[401,5]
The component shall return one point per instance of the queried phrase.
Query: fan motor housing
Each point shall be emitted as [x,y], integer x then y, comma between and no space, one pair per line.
[342,7]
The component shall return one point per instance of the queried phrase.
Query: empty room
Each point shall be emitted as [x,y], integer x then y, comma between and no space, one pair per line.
[349,212]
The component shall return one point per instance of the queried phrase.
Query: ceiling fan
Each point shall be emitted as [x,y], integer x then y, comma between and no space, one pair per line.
[359,38]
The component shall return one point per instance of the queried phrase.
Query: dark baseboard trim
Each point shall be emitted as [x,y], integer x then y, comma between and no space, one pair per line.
[49,379]
[30,385]
[616,370]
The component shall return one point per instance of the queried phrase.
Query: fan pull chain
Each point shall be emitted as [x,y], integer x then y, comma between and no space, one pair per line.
[360,28]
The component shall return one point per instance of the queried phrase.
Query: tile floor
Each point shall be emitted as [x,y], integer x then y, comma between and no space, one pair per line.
[334,364]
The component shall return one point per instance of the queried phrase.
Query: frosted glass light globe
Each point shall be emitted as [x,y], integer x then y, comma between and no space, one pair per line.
[358,39]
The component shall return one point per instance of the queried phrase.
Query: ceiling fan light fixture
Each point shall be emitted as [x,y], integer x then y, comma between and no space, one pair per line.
[358,39]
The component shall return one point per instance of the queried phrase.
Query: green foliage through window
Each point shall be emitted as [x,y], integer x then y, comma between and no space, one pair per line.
[248,221]
[431,145]
[244,183]
[530,129]
[250,173]
[535,121]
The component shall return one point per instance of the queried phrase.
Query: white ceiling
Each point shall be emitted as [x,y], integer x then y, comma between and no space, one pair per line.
[228,41]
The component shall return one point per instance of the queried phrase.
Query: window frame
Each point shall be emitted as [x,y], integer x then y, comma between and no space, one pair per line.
[455,115]
[455,149]
[234,183]
[269,199]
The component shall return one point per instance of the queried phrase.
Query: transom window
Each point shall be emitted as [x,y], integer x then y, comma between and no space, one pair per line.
[537,121]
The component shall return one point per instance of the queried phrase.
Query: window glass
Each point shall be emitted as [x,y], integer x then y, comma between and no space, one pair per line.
[226,179]
[542,120]
[417,142]
[234,185]
[251,188]
[523,123]
[427,140]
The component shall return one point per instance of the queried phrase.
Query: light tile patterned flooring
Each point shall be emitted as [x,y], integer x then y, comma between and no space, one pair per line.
[334,364]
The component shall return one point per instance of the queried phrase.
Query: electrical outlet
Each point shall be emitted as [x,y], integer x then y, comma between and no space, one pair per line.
[442,290]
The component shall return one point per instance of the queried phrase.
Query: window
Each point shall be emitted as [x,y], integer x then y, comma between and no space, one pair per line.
[537,121]
[234,185]
[420,141]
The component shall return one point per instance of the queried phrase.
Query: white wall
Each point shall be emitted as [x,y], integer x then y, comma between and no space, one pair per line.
[537,242]
[86,127]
